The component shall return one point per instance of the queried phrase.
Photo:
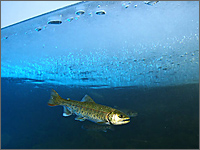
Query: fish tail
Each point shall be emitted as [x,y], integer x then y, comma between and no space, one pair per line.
[55,98]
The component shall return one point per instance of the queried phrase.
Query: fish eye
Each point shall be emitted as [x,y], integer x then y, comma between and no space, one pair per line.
[120,116]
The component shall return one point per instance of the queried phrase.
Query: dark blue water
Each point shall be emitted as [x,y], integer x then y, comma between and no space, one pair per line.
[168,117]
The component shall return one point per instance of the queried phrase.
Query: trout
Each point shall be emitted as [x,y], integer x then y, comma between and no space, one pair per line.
[88,109]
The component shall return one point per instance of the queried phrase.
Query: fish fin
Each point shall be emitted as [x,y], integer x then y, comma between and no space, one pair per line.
[101,122]
[79,118]
[53,101]
[87,98]
[66,112]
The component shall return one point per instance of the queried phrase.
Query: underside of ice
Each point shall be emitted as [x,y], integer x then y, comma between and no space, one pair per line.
[107,44]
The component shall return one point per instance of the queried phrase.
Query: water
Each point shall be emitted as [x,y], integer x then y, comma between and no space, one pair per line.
[167,117]
[141,56]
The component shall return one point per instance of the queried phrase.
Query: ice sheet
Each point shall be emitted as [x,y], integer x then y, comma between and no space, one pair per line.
[106,44]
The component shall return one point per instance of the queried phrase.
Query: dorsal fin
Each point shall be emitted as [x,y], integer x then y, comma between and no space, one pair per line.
[87,98]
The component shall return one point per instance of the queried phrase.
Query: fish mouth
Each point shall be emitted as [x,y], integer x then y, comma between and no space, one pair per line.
[124,121]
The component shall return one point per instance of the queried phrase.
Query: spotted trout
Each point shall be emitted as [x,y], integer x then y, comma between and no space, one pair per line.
[88,109]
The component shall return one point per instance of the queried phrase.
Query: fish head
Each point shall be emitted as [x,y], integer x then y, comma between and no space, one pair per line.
[118,118]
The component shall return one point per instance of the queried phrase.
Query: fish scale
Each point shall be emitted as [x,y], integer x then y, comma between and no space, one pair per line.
[88,110]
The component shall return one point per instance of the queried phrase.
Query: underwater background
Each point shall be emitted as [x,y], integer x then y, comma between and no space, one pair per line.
[141,56]
[168,117]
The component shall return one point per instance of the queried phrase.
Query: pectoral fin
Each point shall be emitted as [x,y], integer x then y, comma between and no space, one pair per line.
[102,122]
[79,118]
[66,112]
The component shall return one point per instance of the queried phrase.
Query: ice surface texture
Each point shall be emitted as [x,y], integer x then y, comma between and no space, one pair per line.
[106,44]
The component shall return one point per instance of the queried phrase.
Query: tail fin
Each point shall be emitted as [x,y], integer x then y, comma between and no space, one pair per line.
[54,100]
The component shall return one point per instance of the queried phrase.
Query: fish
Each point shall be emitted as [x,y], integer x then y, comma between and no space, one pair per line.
[97,128]
[87,109]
